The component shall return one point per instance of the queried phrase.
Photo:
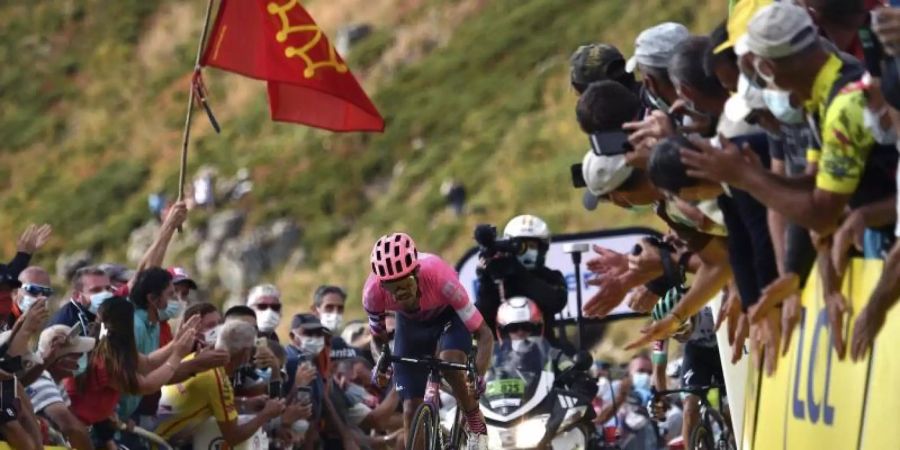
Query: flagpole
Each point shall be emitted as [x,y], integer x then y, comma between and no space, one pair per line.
[190,105]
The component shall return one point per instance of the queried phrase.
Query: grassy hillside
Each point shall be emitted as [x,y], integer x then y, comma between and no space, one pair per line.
[93,96]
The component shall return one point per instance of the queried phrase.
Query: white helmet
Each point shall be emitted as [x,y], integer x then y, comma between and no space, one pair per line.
[527,226]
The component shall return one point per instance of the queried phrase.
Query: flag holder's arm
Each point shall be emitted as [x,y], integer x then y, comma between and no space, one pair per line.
[195,90]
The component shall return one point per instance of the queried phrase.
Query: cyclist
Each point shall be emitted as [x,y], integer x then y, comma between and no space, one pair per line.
[700,365]
[431,306]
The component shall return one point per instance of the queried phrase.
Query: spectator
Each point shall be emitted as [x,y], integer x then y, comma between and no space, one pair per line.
[60,352]
[186,405]
[115,367]
[265,299]
[210,319]
[328,306]
[455,195]
[840,21]
[305,358]
[90,289]
[241,313]
[598,62]
[185,286]
[31,240]
[119,275]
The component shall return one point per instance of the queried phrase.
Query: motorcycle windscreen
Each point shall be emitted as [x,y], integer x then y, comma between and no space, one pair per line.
[514,376]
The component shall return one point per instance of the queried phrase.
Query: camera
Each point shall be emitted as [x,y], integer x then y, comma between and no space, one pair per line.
[486,237]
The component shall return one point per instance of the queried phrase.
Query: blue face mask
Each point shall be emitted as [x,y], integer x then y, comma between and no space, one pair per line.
[173,310]
[779,104]
[97,300]
[82,365]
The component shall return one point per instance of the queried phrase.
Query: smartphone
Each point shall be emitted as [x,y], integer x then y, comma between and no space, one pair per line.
[610,143]
[578,180]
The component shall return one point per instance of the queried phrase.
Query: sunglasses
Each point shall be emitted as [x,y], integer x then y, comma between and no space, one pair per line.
[517,327]
[400,283]
[264,306]
[37,290]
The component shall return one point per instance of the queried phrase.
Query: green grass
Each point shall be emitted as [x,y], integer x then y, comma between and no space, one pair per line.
[88,130]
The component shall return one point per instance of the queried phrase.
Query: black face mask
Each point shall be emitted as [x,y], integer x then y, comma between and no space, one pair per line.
[890,82]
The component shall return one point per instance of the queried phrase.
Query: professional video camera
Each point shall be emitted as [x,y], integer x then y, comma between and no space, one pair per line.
[490,246]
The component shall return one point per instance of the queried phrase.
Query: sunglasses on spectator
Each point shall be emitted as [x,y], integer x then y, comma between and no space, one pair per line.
[264,306]
[313,333]
[37,290]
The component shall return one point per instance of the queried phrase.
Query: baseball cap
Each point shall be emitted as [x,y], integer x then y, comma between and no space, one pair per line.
[9,277]
[73,344]
[745,100]
[604,174]
[340,351]
[738,18]
[117,272]
[307,321]
[179,275]
[778,30]
[596,62]
[655,45]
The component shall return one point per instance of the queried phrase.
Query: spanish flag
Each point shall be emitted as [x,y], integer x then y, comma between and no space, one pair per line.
[277,41]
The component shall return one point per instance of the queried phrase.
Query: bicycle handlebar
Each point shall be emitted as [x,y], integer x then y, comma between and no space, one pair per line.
[687,390]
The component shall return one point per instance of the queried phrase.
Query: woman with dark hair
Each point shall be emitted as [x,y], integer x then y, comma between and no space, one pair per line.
[116,367]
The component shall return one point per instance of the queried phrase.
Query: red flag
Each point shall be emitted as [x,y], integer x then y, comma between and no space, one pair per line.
[277,41]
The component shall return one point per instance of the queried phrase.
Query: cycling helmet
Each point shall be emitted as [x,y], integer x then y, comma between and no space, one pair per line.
[519,310]
[394,256]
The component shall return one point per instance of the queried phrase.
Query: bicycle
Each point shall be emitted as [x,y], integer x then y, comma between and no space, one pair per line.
[426,423]
[712,432]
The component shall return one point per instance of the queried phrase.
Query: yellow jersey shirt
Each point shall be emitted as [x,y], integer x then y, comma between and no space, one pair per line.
[185,405]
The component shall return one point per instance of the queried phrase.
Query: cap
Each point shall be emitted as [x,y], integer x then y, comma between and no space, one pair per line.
[746,99]
[738,18]
[73,344]
[603,174]
[780,29]
[307,321]
[596,62]
[356,333]
[179,275]
[654,46]
[117,272]
[340,351]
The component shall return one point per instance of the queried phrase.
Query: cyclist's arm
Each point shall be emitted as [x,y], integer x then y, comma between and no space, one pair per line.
[660,357]
[711,277]
[485,348]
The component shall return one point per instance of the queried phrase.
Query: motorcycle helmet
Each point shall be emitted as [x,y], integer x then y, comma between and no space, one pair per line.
[528,227]
[519,312]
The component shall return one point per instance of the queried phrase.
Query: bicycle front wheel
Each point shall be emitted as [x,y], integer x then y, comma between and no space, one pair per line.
[701,438]
[424,432]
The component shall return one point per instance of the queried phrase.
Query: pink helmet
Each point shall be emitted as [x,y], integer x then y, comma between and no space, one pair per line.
[394,256]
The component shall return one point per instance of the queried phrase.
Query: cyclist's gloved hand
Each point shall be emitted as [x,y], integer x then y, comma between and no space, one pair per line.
[381,379]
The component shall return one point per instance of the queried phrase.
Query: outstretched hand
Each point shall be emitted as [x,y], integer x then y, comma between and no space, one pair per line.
[607,262]
[612,293]
[728,164]
[34,238]
[656,331]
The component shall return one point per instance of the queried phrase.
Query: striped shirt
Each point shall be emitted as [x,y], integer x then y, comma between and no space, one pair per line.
[45,392]
[439,289]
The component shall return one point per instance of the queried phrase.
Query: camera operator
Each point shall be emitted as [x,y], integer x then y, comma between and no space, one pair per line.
[514,267]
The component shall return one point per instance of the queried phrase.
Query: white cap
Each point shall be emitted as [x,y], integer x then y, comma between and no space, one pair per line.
[73,344]
[604,174]
[778,30]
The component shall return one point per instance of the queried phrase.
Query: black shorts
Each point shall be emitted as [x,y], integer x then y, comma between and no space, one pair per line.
[9,401]
[701,366]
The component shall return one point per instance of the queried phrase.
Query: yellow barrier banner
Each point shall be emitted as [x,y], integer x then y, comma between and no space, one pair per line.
[815,400]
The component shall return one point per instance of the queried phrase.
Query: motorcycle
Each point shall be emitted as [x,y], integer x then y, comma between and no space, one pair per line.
[527,406]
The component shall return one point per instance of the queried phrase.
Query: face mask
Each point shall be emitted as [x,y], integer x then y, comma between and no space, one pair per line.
[529,258]
[97,300]
[300,427]
[82,365]
[769,79]
[25,303]
[355,392]
[210,336]
[312,345]
[872,120]
[267,320]
[640,380]
[332,321]
[174,308]
[779,104]
[519,345]
[103,331]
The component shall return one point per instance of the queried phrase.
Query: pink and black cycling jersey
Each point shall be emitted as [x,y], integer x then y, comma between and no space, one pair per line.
[439,289]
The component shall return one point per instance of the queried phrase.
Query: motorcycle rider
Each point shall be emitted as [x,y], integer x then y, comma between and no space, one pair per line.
[522,275]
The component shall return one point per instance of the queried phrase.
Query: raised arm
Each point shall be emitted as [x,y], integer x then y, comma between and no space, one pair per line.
[155,255]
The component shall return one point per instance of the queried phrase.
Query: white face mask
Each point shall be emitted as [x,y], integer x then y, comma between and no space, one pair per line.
[103,331]
[312,345]
[267,320]
[97,300]
[519,345]
[529,258]
[210,336]
[25,302]
[872,121]
[332,321]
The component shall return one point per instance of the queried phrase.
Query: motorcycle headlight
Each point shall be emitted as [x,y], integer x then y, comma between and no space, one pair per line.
[572,415]
[530,432]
